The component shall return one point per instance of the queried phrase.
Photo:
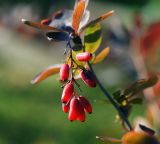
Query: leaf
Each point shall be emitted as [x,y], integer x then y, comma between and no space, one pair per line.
[101,56]
[41,26]
[133,137]
[78,14]
[92,34]
[46,73]
[147,130]
[92,47]
[137,101]
[76,63]
[140,85]
[105,138]
[92,38]
[97,20]
[57,36]
[62,19]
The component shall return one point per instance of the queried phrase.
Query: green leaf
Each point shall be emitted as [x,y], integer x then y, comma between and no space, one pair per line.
[140,85]
[116,94]
[92,38]
[137,101]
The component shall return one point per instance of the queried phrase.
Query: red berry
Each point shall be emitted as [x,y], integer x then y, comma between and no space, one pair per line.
[74,109]
[65,107]
[46,21]
[64,72]
[85,103]
[86,56]
[67,92]
[81,116]
[88,78]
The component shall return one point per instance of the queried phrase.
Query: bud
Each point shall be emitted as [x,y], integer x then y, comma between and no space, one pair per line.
[88,78]
[85,103]
[67,92]
[46,21]
[65,107]
[86,56]
[64,72]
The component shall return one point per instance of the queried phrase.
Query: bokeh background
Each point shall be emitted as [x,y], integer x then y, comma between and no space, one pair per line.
[31,114]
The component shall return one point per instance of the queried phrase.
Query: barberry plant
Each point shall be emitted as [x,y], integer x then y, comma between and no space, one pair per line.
[68,25]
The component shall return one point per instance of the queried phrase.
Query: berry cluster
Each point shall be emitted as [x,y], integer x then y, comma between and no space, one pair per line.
[71,102]
[67,26]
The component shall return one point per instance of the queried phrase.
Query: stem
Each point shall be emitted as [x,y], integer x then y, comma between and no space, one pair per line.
[111,99]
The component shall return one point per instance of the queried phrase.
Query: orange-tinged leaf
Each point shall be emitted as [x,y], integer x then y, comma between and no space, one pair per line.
[41,26]
[139,138]
[97,20]
[77,14]
[46,73]
[108,139]
[101,56]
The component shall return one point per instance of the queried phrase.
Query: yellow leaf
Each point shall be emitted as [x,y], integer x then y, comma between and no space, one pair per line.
[92,38]
[92,47]
[102,55]
[46,73]
[76,63]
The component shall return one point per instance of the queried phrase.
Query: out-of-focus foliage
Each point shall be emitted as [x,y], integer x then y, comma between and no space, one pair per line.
[31,114]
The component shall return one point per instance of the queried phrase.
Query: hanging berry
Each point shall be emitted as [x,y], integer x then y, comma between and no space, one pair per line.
[64,72]
[88,78]
[67,92]
[85,103]
[76,111]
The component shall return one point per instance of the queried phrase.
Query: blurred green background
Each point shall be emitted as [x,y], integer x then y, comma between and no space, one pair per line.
[31,114]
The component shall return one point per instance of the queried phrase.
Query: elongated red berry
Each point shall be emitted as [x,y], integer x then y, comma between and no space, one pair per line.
[88,78]
[74,109]
[85,103]
[67,92]
[64,72]
[86,56]
[81,116]
[65,107]
[46,21]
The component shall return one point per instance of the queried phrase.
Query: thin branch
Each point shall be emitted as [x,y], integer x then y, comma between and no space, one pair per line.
[111,99]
